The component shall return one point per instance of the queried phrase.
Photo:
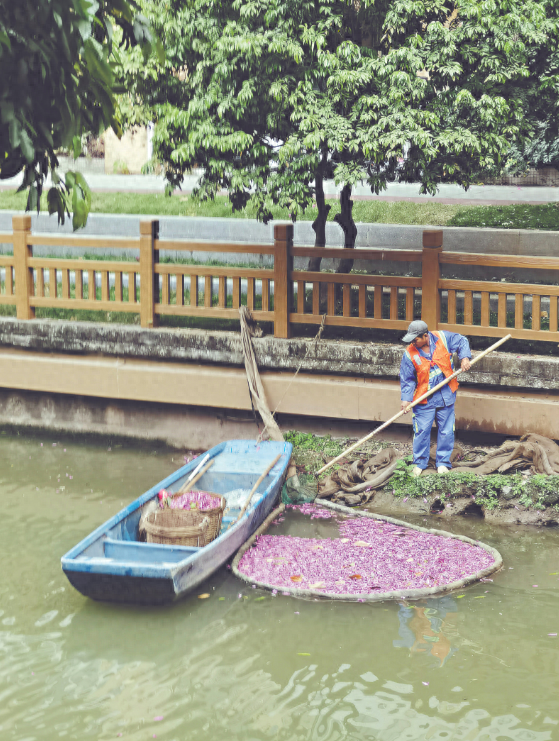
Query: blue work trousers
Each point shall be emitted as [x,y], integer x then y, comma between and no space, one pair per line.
[423,417]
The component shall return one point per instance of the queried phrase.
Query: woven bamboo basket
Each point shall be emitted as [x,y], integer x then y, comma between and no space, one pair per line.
[177,527]
[214,515]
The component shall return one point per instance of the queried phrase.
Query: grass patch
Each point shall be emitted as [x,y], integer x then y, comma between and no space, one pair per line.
[536,492]
[311,452]
[157,204]
[519,216]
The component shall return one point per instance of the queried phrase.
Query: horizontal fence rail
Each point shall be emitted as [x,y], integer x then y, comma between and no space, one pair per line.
[279,294]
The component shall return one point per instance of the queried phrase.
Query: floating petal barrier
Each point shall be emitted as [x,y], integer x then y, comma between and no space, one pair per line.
[375,558]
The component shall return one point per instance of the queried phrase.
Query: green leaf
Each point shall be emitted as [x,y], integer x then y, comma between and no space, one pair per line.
[54,202]
[32,199]
[79,216]
[26,146]
[76,146]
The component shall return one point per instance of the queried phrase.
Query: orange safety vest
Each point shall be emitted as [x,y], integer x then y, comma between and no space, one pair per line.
[441,357]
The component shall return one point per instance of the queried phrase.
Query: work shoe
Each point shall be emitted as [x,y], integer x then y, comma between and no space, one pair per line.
[416,471]
[443,469]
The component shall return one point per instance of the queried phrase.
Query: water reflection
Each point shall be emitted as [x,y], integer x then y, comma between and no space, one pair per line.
[424,627]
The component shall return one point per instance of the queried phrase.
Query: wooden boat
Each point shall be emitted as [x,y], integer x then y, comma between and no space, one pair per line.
[112,564]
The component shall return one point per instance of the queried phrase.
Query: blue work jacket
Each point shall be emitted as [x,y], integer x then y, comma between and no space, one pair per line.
[408,380]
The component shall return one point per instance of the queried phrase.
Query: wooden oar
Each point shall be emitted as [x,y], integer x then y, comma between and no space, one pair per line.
[189,484]
[255,487]
[404,411]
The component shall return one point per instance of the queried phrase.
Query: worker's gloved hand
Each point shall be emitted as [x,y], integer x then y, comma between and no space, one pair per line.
[405,406]
[465,364]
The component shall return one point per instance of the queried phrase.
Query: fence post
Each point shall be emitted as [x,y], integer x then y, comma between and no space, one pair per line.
[430,297]
[149,279]
[21,226]
[283,286]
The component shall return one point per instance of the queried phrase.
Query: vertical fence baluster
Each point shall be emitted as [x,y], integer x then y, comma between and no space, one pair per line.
[250,294]
[78,277]
[104,285]
[208,292]
[300,297]
[393,302]
[118,286]
[131,288]
[165,280]
[468,308]
[485,308]
[502,310]
[236,292]
[451,307]
[377,306]
[65,284]
[316,298]
[9,281]
[536,312]
[194,290]
[40,284]
[519,311]
[222,292]
[409,304]
[362,302]
[265,295]
[180,289]
[553,313]
[346,300]
[91,287]
[331,300]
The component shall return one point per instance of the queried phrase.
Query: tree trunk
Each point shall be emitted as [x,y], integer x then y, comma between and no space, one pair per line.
[319,224]
[345,220]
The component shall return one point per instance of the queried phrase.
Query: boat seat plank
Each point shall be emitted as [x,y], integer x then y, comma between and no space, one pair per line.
[126,550]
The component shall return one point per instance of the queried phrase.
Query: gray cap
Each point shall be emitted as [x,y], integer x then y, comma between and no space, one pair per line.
[416,329]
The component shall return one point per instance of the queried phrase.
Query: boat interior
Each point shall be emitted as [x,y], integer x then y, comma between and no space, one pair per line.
[120,542]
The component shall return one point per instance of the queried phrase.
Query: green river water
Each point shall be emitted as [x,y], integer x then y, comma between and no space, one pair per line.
[479,665]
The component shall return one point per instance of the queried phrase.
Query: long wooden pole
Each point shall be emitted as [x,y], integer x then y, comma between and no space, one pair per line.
[417,401]
[190,483]
[255,487]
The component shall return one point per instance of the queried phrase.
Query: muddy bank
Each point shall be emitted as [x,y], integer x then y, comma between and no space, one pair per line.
[515,483]
[503,512]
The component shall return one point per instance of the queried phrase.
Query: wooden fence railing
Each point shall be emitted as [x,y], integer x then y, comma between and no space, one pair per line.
[280,294]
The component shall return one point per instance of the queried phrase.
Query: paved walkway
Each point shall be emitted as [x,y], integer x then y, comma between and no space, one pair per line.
[477,195]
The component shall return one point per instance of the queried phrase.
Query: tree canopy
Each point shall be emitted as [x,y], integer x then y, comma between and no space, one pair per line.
[275,95]
[58,82]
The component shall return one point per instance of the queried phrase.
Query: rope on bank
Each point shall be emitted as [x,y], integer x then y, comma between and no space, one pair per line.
[255,387]
[296,489]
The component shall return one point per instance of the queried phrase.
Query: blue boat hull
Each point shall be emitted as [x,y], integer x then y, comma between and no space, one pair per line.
[111,564]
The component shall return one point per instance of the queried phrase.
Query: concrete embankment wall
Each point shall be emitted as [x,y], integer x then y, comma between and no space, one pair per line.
[188,387]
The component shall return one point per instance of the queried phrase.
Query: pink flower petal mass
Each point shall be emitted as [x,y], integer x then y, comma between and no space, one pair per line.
[373,555]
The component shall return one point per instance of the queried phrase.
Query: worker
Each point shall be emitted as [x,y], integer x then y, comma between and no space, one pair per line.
[427,361]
